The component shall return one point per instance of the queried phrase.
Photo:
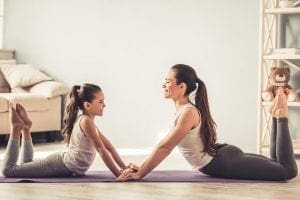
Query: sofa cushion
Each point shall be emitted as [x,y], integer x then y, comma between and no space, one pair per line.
[4,87]
[3,105]
[31,102]
[22,75]
[49,89]
[10,61]
[19,90]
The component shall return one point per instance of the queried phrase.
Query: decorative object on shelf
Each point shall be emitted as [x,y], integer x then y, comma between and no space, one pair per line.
[296,3]
[279,77]
[286,3]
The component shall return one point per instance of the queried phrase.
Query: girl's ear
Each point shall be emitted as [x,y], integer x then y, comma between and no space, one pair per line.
[86,105]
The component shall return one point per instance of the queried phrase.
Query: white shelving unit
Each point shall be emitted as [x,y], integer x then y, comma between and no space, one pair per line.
[270,16]
[282,57]
[276,10]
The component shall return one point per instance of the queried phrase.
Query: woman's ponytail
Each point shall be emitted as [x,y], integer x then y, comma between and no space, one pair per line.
[208,126]
[186,74]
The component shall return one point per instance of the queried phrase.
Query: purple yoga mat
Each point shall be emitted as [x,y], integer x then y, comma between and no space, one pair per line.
[106,176]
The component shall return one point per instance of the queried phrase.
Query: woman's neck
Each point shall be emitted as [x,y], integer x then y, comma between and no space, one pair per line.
[180,102]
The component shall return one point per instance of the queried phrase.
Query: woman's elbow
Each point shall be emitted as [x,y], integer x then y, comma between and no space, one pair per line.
[165,149]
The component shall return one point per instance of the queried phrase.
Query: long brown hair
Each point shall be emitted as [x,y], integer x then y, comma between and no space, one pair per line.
[186,74]
[76,98]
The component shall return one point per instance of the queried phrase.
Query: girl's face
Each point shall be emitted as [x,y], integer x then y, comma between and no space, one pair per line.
[170,88]
[96,106]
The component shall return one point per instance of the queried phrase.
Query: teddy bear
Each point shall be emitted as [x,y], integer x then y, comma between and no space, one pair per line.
[279,77]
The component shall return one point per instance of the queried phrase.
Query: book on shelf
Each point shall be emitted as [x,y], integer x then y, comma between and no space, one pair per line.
[286,51]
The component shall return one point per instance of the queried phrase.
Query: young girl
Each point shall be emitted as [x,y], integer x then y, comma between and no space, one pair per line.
[83,137]
[194,132]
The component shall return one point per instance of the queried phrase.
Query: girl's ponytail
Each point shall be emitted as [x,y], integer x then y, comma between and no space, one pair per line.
[71,113]
[77,96]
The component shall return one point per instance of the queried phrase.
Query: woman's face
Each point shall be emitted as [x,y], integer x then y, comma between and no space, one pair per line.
[96,106]
[170,87]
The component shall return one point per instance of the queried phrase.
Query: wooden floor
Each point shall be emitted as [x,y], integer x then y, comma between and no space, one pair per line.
[143,191]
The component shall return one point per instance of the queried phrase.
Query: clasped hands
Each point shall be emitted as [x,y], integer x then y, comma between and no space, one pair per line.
[130,173]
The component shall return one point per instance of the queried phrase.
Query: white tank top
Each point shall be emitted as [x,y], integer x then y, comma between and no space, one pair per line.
[81,151]
[191,146]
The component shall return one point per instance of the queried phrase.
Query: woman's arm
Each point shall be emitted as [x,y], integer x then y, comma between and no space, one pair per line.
[188,120]
[112,151]
[88,127]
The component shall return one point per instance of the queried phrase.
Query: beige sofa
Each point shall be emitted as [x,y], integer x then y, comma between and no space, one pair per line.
[45,113]
[42,100]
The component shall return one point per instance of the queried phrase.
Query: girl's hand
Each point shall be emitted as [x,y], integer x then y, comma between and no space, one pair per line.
[127,170]
[135,167]
[128,175]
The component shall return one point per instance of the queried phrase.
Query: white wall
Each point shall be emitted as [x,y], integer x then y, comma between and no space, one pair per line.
[127,48]
[1,22]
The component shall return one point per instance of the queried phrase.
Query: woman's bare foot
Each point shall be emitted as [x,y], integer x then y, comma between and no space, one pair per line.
[16,123]
[280,109]
[273,104]
[23,115]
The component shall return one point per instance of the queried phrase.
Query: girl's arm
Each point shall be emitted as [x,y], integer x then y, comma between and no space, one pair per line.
[112,151]
[188,120]
[88,127]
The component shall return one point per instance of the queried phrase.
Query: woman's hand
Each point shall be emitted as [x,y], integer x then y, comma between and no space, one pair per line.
[128,174]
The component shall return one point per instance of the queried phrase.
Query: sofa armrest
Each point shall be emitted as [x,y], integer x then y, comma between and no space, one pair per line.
[19,90]
[49,89]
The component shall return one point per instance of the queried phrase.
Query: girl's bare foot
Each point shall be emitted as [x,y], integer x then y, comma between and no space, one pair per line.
[280,109]
[16,123]
[23,115]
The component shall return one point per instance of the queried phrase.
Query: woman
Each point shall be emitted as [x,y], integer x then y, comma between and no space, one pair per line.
[194,132]
[83,137]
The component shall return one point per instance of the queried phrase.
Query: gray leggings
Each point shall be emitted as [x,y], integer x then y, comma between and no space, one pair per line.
[232,162]
[52,165]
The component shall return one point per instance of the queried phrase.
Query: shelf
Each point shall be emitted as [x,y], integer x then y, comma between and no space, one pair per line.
[283,10]
[282,56]
[290,104]
[272,53]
